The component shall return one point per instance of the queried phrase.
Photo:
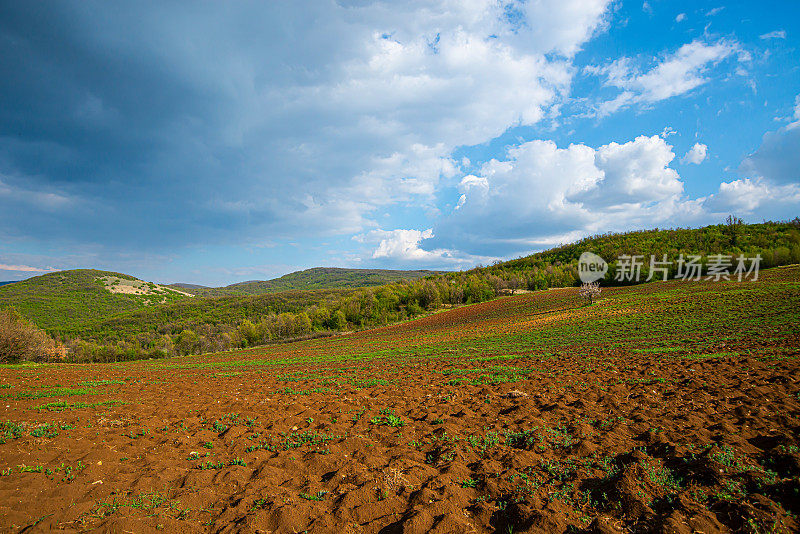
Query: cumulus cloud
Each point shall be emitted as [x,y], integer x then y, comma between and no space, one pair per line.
[318,124]
[770,186]
[696,155]
[562,27]
[404,245]
[470,182]
[777,160]
[675,74]
[540,195]
[749,196]
[680,17]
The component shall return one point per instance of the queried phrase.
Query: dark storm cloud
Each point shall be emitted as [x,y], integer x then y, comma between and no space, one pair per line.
[132,117]
[142,126]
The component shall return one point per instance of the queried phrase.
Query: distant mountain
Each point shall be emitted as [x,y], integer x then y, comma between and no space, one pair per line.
[187,286]
[63,298]
[316,278]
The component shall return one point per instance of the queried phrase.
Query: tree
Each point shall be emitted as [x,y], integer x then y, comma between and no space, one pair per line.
[249,332]
[188,342]
[339,320]
[303,324]
[590,291]
[733,225]
[21,340]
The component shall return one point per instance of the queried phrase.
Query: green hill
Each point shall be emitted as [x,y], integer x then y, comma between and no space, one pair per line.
[62,299]
[316,278]
[776,243]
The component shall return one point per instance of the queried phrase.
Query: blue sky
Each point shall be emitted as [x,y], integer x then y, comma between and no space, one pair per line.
[219,142]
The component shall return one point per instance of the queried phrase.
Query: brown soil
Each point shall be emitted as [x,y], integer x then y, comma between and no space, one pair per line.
[579,441]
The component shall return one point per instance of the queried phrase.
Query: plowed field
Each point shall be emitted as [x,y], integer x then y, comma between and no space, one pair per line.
[664,407]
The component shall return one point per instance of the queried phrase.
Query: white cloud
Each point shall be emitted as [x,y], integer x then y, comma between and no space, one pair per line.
[470,182]
[637,172]
[560,26]
[411,85]
[680,17]
[756,195]
[321,124]
[797,108]
[777,34]
[403,176]
[404,245]
[697,154]
[771,184]
[24,268]
[540,194]
[676,74]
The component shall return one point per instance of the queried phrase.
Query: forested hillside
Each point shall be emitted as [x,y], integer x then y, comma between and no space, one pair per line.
[316,278]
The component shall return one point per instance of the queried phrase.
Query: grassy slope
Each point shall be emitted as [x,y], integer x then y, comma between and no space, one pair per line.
[58,300]
[73,303]
[316,278]
[673,319]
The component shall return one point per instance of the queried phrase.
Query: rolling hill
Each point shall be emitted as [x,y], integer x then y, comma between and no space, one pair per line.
[316,278]
[78,300]
[55,300]
[778,243]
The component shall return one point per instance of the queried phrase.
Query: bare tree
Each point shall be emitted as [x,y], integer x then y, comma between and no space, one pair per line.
[733,225]
[590,291]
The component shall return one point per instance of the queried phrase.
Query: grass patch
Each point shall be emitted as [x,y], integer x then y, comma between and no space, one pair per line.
[54,392]
[61,406]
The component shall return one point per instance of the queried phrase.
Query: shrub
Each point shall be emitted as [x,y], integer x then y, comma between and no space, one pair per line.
[21,340]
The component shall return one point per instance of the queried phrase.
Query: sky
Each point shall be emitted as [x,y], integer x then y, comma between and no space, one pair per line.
[216,142]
